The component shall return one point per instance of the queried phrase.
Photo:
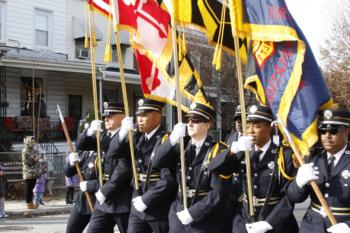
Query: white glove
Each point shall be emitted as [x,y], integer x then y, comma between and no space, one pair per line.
[73,157]
[178,132]
[339,228]
[139,205]
[100,197]
[258,227]
[306,173]
[185,217]
[83,186]
[94,127]
[127,124]
[244,143]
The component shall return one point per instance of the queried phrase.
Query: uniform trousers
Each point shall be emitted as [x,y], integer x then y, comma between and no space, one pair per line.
[77,221]
[137,225]
[101,222]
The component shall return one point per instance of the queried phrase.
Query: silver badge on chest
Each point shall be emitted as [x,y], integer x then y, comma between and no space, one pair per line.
[91,165]
[271,165]
[345,174]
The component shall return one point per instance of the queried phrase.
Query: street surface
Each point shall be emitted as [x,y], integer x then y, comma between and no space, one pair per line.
[57,223]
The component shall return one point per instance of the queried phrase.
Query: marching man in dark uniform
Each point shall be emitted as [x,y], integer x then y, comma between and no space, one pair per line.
[113,198]
[238,130]
[151,203]
[331,170]
[270,169]
[80,213]
[206,191]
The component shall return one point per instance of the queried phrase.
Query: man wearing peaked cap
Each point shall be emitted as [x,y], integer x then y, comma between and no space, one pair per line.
[330,168]
[273,211]
[238,130]
[206,192]
[151,202]
[112,206]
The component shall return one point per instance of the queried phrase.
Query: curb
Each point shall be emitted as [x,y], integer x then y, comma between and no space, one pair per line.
[38,212]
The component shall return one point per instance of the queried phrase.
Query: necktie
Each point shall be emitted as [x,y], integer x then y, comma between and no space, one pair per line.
[143,140]
[256,158]
[191,153]
[330,163]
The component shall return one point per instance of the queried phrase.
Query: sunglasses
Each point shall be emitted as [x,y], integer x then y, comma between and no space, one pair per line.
[332,131]
[194,120]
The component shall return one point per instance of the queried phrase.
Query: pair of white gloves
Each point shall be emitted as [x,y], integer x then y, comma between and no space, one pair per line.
[306,174]
[184,216]
[127,124]
[73,159]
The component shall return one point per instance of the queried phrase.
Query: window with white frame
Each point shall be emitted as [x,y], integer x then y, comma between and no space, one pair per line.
[42,28]
[2,21]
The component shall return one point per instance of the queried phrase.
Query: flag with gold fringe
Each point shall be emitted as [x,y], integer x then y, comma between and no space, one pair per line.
[282,70]
[153,49]
[211,18]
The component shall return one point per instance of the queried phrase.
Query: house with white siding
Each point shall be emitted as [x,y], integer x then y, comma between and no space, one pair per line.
[42,53]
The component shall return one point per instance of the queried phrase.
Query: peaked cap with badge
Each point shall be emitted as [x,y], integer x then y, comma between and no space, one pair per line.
[111,108]
[259,113]
[148,105]
[201,110]
[331,117]
[238,113]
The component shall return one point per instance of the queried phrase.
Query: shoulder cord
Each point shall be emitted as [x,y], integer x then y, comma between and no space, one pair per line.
[281,165]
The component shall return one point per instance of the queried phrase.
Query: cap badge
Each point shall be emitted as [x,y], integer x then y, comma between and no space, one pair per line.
[105,104]
[193,106]
[327,114]
[141,102]
[253,109]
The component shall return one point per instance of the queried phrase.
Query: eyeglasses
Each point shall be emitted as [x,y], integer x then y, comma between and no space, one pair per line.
[332,131]
[194,120]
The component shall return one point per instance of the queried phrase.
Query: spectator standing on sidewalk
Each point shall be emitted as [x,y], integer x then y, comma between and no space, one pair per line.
[31,169]
[2,193]
[39,188]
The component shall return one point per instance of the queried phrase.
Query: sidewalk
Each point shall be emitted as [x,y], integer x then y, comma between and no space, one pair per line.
[19,209]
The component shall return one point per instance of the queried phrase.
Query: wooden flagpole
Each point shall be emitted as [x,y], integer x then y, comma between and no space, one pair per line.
[71,149]
[249,185]
[179,113]
[125,96]
[94,91]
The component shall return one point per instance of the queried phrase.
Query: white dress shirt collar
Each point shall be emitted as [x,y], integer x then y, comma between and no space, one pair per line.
[337,155]
[263,149]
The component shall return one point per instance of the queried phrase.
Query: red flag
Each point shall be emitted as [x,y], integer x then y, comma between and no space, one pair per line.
[125,20]
[153,83]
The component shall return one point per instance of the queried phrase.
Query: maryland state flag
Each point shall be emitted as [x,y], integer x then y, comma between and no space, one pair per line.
[159,84]
[209,17]
[151,40]
[281,69]
[124,20]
